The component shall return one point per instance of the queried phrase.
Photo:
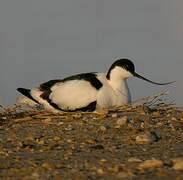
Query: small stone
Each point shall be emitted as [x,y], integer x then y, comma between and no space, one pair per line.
[69,140]
[48,166]
[100,171]
[29,137]
[47,120]
[125,175]
[150,164]
[162,173]
[103,160]
[41,141]
[90,141]
[117,127]
[56,138]
[174,119]
[35,175]
[114,169]
[146,138]
[60,123]
[177,164]
[121,121]
[69,128]
[159,124]
[142,113]
[114,115]
[168,115]
[156,113]
[134,159]
[102,128]
[142,125]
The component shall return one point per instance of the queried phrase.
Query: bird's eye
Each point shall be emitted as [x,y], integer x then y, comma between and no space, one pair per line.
[126,66]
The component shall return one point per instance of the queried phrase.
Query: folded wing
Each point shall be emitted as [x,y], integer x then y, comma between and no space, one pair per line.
[73,95]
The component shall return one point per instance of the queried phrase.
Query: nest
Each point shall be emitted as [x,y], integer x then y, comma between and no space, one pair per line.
[156,102]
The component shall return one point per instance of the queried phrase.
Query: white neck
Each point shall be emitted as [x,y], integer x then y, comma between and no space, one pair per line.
[117,80]
[120,86]
[118,77]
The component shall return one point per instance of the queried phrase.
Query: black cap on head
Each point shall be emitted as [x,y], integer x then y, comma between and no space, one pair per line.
[129,66]
[124,63]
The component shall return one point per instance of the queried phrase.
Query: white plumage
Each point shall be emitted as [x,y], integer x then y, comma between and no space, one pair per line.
[73,94]
[87,91]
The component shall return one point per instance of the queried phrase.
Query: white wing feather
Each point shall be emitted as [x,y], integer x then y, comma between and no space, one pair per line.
[73,94]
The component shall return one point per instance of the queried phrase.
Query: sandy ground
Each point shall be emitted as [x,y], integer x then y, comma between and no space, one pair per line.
[123,143]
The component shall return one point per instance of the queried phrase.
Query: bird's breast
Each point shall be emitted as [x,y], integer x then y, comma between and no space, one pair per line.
[112,93]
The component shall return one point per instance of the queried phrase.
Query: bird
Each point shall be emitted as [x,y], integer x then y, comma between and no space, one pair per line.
[87,92]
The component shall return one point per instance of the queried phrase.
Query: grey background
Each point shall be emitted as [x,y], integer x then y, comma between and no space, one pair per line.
[43,39]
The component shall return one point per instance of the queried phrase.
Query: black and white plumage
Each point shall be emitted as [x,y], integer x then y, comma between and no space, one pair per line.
[87,91]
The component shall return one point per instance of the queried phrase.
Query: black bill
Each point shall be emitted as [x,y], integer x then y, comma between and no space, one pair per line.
[141,77]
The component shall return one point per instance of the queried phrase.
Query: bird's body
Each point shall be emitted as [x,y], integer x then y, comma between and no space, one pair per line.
[87,91]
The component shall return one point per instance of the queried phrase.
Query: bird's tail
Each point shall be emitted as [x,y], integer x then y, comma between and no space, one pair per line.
[27,93]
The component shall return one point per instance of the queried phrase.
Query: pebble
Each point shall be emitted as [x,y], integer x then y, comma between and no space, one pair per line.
[47,120]
[121,121]
[35,175]
[125,175]
[40,141]
[69,140]
[48,166]
[159,124]
[102,128]
[168,115]
[3,118]
[114,115]
[177,164]
[103,160]
[150,164]
[90,141]
[146,138]
[100,171]
[69,128]
[142,125]
[142,113]
[30,137]
[156,113]
[76,115]
[114,169]
[134,159]
[60,123]
[174,119]
[56,138]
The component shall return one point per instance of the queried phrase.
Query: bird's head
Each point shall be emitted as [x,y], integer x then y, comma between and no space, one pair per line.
[124,69]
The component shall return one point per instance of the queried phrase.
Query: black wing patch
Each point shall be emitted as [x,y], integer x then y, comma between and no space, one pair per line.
[27,93]
[49,84]
[89,108]
[90,77]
